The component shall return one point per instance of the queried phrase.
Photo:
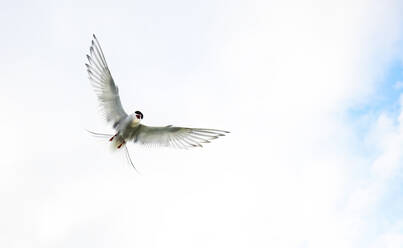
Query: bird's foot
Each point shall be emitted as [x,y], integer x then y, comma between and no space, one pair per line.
[112,137]
[119,146]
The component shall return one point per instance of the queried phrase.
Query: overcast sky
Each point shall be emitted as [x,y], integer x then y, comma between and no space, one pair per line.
[310,90]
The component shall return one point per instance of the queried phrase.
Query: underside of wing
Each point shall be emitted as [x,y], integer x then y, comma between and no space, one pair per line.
[102,81]
[177,137]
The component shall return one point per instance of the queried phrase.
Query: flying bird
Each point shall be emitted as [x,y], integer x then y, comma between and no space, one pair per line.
[128,126]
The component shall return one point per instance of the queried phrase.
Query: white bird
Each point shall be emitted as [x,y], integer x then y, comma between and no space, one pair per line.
[128,126]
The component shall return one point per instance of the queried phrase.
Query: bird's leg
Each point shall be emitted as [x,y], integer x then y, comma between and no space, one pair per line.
[119,146]
[112,137]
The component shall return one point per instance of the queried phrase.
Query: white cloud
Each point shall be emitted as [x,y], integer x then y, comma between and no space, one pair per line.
[394,240]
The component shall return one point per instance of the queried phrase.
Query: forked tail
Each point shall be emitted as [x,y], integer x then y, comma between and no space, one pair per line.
[114,139]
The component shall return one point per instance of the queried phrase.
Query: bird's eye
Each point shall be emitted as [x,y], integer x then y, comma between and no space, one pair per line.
[138,116]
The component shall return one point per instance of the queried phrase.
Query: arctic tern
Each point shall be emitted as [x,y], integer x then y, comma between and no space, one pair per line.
[128,126]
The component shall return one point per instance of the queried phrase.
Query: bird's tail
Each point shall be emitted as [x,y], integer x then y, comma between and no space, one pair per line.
[99,135]
[117,142]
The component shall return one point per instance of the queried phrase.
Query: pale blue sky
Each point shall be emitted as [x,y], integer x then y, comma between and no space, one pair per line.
[307,89]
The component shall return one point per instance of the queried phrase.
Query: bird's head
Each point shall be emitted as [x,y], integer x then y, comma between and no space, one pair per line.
[137,117]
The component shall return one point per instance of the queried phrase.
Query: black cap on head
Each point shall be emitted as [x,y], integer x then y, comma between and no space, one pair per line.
[139,113]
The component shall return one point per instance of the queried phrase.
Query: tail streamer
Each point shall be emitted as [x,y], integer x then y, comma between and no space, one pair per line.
[127,154]
[129,158]
[99,135]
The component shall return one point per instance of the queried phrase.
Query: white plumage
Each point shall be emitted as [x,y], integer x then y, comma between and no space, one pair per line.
[128,126]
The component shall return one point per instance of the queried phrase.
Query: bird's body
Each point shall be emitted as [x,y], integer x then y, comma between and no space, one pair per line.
[128,126]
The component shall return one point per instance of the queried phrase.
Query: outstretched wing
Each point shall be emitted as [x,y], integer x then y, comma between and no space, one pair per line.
[102,81]
[178,137]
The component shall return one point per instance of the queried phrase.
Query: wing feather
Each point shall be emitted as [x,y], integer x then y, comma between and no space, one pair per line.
[177,137]
[103,84]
